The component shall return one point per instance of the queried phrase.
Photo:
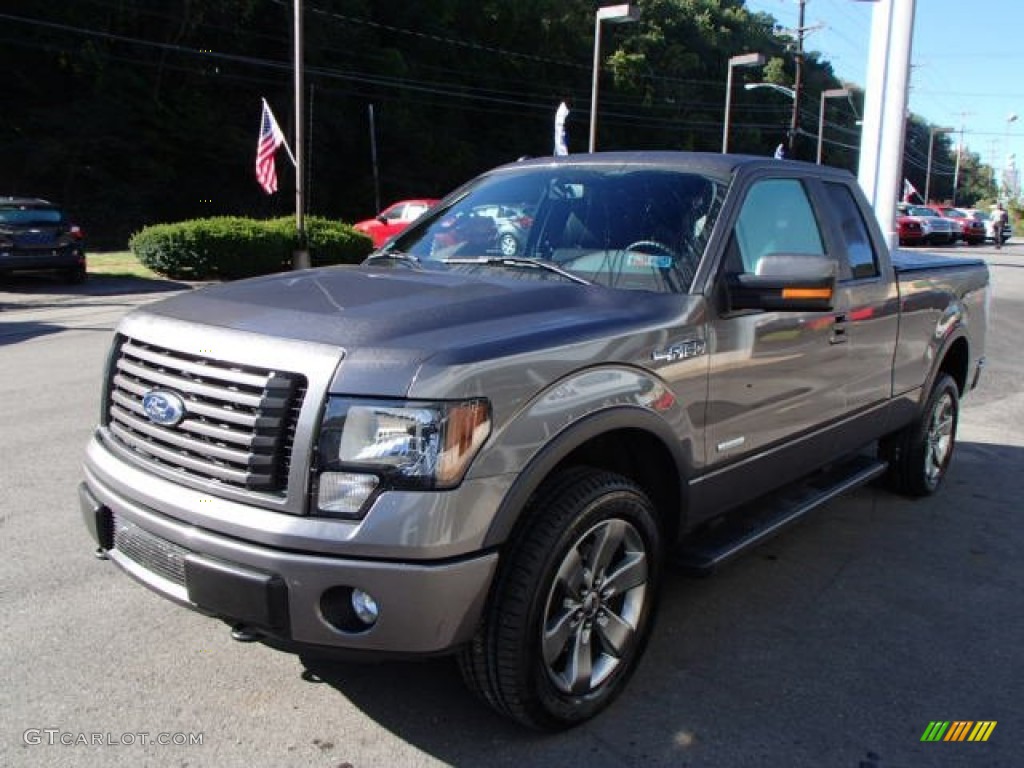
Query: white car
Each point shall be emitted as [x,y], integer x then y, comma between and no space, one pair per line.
[990,225]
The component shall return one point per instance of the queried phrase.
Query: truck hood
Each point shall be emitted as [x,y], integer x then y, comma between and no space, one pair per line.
[388,321]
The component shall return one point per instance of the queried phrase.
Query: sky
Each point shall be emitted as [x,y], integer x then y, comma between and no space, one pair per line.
[967,62]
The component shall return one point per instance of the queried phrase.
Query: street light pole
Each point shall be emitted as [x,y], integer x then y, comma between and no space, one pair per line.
[928,169]
[831,93]
[744,60]
[618,14]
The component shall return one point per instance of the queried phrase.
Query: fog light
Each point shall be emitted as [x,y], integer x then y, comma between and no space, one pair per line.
[365,607]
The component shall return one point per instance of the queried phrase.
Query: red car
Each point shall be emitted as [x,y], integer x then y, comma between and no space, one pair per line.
[972,231]
[910,230]
[393,220]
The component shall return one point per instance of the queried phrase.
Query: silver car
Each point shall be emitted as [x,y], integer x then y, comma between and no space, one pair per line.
[937,230]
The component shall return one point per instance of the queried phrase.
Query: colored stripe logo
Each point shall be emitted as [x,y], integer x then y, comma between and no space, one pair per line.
[958,730]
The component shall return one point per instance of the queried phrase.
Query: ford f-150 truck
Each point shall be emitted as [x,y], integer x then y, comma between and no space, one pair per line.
[448,449]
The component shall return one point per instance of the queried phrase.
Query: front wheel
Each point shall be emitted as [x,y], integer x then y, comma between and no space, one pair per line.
[920,454]
[573,603]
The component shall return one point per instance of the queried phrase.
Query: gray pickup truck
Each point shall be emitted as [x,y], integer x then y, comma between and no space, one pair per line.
[493,436]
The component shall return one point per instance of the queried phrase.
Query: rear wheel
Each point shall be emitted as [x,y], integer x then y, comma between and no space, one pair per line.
[920,454]
[573,603]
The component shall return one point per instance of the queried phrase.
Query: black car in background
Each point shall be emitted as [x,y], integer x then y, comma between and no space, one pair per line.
[36,235]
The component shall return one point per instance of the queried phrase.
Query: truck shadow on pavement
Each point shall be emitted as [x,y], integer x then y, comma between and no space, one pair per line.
[39,289]
[835,643]
[24,297]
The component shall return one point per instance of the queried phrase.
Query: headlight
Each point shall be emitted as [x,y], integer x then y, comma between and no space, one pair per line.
[365,446]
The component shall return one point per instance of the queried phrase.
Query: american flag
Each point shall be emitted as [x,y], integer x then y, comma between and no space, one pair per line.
[270,139]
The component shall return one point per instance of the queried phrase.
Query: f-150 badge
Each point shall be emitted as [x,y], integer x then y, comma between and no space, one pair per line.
[681,351]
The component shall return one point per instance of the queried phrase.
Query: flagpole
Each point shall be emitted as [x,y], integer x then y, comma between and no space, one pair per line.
[300,258]
[373,160]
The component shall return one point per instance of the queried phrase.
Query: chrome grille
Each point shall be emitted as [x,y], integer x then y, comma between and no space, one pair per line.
[239,425]
[160,556]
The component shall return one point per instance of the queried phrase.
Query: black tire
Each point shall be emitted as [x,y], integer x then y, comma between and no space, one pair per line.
[573,603]
[74,275]
[920,454]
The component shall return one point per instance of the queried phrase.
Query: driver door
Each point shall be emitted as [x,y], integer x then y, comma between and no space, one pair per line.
[774,375]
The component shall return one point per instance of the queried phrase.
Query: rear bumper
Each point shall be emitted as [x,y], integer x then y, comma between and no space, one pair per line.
[41,258]
[300,599]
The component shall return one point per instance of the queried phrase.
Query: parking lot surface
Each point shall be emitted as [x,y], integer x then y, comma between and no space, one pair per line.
[835,644]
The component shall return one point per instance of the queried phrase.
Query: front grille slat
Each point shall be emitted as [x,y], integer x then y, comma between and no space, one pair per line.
[223,413]
[177,440]
[186,385]
[202,370]
[174,458]
[239,423]
[224,433]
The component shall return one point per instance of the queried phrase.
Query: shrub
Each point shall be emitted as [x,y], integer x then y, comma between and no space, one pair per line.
[231,247]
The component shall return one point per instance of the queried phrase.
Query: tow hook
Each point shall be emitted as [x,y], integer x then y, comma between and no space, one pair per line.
[244,634]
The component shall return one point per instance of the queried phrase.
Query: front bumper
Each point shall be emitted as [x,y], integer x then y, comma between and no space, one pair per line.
[298,598]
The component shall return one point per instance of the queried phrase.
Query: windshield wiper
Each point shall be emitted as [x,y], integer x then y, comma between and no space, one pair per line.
[514,261]
[404,258]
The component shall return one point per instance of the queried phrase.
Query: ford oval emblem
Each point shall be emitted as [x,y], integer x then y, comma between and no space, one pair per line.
[163,407]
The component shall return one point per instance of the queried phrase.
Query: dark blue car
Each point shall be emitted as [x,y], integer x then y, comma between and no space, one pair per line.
[36,235]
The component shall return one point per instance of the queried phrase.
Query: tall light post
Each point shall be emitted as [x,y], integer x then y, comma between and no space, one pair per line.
[615,14]
[743,60]
[928,169]
[831,93]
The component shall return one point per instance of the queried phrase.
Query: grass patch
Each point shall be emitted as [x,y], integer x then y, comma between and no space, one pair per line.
[118,264]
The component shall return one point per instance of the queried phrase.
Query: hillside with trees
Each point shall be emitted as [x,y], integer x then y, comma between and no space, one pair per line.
[132,112]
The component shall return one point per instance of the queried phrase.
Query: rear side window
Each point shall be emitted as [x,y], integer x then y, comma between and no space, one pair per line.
[859,251]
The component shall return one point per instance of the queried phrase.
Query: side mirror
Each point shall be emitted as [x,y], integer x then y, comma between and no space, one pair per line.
[785,282]
[382,218]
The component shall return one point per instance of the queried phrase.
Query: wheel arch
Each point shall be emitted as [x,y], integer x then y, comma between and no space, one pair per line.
[629,441]
[955,362]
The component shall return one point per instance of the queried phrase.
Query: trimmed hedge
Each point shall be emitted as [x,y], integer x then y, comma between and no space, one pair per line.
[232,247]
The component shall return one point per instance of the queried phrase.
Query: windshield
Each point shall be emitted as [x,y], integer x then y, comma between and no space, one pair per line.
[633,228]
[920,210]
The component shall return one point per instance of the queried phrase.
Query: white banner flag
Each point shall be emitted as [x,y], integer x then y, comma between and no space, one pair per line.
[561,146]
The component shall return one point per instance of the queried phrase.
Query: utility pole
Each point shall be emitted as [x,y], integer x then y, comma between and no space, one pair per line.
[798,81]
[959,152]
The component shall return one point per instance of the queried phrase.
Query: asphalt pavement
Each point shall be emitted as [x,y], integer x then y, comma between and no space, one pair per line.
[835,644]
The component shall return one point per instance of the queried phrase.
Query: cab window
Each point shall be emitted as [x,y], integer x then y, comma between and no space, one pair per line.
[776,217]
